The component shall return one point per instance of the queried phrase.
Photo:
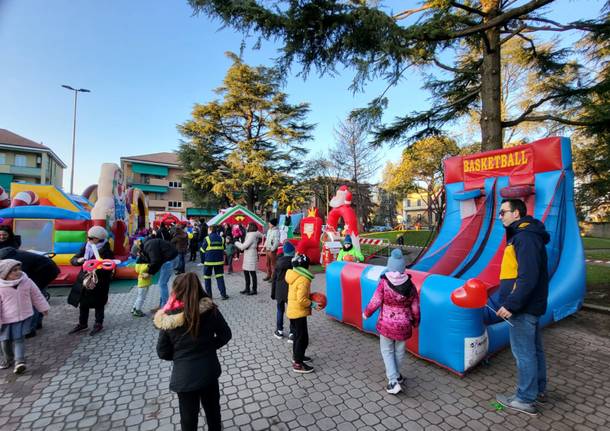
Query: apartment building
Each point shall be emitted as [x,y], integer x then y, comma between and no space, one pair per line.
[415,210]
[158,175]
[25,161]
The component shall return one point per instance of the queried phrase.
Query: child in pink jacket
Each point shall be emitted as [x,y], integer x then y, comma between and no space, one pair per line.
[17,296]
[399,302]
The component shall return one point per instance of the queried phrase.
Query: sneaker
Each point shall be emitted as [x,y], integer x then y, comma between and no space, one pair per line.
[77,328]
[19,368]
[400,379]
[245,291]
[224,298]
[251,293]
[290,338]
[541,398]
[278,334]
[31,334]
[4,364]
[302,368]
[307,359]
[393,388]
[512,402]
[96,328]
[138,313]
[267,279]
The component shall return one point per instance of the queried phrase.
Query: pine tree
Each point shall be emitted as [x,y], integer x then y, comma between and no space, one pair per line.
[244,147]
[325,34]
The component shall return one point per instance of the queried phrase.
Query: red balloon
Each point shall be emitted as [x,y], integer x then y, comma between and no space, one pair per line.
[473,294]
[318,298]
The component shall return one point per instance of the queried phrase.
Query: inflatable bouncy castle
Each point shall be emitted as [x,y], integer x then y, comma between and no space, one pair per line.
[470,245]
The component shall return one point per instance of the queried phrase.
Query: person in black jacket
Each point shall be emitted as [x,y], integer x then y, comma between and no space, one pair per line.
[160,255]
[523,293]
[192,330]
[96,245]
[279,290]
[41,270]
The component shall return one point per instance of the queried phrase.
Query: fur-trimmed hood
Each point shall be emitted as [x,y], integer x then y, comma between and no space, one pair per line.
[171,320]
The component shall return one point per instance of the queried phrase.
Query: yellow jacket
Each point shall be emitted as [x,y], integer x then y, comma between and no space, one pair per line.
[299,283]
[140,269]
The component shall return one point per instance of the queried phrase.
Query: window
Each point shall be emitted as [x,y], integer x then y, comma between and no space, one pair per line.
[408,203]
[2,159]
[175,185]
[419,202]
[20,160]
[174,204]
[145,179]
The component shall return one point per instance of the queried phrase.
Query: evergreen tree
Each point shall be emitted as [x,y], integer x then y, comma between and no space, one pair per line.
[245,147]
[469,35]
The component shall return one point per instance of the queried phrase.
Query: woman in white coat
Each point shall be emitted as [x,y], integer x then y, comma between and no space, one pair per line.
[250,249]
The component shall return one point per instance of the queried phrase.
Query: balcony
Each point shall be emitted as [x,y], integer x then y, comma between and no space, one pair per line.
[158,182]
[25,170]
[157,203]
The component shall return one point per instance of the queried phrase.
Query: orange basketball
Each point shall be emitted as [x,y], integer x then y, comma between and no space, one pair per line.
[318,298]
[348,258]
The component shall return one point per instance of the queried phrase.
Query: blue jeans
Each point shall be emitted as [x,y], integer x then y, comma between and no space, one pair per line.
[393,352]
[179,262]
[164,275]
[279,321]
[526,345]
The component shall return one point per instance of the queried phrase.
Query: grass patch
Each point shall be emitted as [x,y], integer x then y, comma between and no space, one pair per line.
[595,243]
[598,275]
[598,254]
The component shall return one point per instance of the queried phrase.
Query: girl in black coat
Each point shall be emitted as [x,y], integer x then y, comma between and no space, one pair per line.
[98,296]
[192,329]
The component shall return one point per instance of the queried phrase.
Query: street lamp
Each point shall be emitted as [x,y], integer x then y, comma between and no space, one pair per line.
[81,90]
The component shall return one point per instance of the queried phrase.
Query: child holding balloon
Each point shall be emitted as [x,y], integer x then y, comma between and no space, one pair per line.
[398,299]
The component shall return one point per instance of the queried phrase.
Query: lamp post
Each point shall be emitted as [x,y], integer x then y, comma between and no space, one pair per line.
[76,91]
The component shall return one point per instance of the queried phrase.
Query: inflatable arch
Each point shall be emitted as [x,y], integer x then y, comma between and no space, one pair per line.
[470,244]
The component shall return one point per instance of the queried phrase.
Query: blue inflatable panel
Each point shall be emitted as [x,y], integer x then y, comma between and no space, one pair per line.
[67,247]
[368,283]
[469,194]
[334,296]
[449,335]
[43,211]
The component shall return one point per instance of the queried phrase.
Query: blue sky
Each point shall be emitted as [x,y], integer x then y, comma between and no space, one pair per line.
[146,63]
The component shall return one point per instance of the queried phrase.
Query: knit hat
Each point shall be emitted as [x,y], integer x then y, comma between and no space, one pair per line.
[97,232]
[396,261]
[348,239]
[301,261]
[288,249]
[6,266]
[273,222]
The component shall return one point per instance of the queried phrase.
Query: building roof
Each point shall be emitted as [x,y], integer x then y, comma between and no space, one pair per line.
[9,138]
[166,158]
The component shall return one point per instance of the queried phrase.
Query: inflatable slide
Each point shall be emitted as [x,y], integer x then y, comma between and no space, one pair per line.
[470,244]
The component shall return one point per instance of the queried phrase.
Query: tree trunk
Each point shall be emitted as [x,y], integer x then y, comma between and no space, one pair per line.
[251,198]
[491,82]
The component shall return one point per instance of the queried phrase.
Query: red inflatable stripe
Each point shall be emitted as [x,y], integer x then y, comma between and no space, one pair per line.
[351,292]
[61,224]
[418,278]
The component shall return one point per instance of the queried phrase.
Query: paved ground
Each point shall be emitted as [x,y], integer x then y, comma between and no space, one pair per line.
[114,381]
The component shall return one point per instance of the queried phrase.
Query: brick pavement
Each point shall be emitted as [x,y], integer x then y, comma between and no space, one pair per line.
[114,381]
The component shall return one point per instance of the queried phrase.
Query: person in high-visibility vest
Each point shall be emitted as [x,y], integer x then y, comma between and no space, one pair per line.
[213,251]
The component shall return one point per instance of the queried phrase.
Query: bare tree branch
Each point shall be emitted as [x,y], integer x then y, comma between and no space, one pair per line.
[467,8]
[409,12]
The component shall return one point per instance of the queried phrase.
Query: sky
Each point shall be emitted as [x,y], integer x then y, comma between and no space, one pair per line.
[147,62]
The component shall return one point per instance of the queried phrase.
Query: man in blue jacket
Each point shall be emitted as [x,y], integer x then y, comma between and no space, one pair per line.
[524,286]
[213,252]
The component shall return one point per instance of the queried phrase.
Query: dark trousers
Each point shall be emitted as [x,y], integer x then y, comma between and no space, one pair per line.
[218,271]
[229,262]
[301,339]
[281,307]
[83,318]
[250,275]
[193,255]
[209,397]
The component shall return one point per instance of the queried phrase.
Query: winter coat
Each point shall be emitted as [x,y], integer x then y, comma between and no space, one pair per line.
[41,269]
[195,360]
[213,248]
[180,241]
[97,297]
[356,255]
[272,241]
[16,300]
[399,303]
[194,242]
[157,251]
[143,268]
[279,286]
[524,276]
[299,284]
[250,249]
[13,241]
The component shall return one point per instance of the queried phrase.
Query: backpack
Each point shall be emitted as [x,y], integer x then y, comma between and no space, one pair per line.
[90,280]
